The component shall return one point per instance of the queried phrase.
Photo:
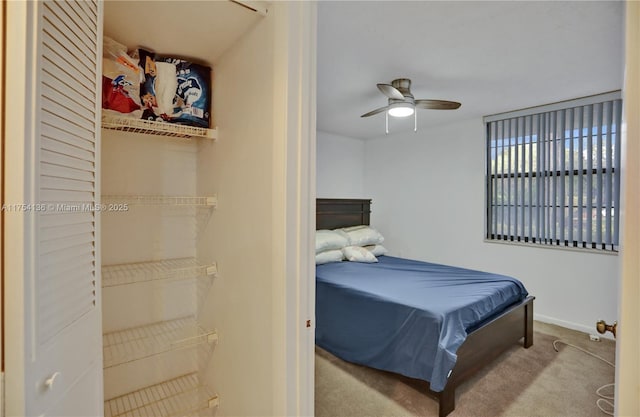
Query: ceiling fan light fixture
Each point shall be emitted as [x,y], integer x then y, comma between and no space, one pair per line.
[403,104]
[401,110]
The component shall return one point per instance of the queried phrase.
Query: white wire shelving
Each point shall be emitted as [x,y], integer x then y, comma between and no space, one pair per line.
[157,200]
[167,269]
[130,124]
[128,345]
[183,396]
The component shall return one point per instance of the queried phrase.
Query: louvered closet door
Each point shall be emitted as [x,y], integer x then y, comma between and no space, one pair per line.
[67,360]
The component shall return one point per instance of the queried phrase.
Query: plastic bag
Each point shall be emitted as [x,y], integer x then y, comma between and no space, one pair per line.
[191,103]
[120,79]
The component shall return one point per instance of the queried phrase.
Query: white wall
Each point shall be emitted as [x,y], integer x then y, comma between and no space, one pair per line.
[259,234]
[135,164]
[428,194]
[340,166]
[238,233]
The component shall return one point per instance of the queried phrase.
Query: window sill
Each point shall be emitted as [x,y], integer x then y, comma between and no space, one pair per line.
[552,247]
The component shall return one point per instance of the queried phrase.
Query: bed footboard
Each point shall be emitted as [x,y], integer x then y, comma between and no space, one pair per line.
[484,345]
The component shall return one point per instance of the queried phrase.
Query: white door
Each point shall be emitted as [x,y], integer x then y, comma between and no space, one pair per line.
[53,343]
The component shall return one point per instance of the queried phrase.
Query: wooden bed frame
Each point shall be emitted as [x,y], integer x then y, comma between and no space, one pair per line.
[490,339]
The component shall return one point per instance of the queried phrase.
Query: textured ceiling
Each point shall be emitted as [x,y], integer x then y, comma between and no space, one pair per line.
[490,56]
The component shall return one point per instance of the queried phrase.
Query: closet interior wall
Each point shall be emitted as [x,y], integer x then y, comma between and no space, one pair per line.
[144,165]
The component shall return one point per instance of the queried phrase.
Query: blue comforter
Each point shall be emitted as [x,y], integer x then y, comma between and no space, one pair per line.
[405,316]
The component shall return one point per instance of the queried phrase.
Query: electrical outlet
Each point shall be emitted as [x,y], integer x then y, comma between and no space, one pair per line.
[594,338]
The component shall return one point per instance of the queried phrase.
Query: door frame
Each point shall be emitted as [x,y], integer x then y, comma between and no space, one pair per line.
[294,206]
[627,402]
[18,154]
[3,51]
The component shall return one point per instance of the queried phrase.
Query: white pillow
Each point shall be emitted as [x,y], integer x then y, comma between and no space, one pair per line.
[363,236]
[333,255]
[330,239]
[358,254]
[377,250]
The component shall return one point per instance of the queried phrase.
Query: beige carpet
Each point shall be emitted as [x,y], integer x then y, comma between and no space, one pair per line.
[522,382]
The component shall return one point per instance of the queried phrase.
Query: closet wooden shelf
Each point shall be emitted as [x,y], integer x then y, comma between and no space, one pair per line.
[130,124]
[173,269]
[159,200]
[128,345]
[183,396]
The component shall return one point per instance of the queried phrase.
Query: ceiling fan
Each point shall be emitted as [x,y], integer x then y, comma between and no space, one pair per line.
[403,104]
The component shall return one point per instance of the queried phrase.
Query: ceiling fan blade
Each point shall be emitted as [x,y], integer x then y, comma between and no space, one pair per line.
[437,104]
[376,111]
[390,91]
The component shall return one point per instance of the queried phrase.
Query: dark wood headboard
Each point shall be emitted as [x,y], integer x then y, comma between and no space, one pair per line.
[332,213]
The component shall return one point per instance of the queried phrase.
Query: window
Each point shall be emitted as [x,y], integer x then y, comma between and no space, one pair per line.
[553,174]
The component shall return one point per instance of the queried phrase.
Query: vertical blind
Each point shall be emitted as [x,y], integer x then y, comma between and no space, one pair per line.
[553,174]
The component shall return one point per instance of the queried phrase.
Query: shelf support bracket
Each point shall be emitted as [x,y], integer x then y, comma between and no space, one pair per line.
[214,401]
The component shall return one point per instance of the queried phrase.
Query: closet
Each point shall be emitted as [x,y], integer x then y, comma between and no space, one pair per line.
[155,346]
[155,270]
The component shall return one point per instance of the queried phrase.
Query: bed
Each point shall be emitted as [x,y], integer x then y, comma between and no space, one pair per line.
[388,316]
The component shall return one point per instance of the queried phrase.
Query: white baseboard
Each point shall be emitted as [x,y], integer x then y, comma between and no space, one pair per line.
[570,325]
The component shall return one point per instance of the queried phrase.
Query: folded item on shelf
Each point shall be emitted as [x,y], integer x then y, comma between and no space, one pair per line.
[120,79]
